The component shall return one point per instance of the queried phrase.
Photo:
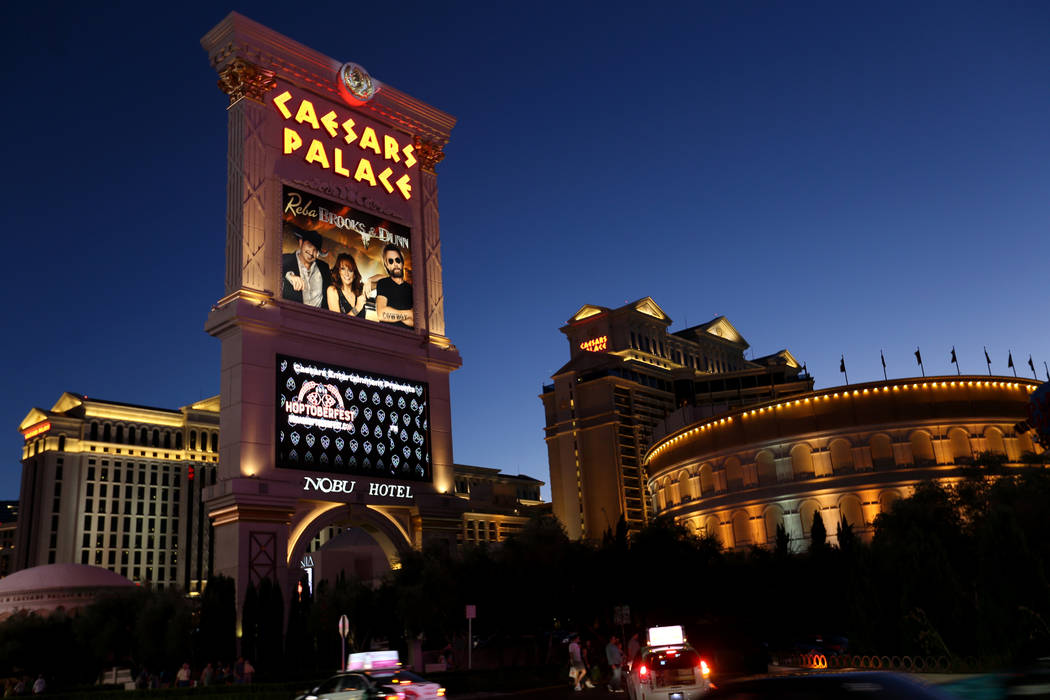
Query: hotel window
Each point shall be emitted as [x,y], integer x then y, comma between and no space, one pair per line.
[120,433]
[125,540]
[156,438]
[178,441]
[138,558]
[61,443]
[143,437]
[193,439]
[167,439]
[83,556]
[85,541]
[214,442]
[91,474]
[107,433]
[89,506]
[112,559]
[90,490]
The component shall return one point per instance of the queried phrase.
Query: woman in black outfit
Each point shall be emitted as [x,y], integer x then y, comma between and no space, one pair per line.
[346,295]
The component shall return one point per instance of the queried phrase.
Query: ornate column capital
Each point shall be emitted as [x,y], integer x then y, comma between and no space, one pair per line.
[429,153]
[240,79]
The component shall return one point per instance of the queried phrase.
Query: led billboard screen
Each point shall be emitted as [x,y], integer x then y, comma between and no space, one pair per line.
[346,261]
[340,420]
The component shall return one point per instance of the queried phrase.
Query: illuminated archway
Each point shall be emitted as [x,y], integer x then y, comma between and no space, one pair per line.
[765,467]
[921,448]
[707,481]
[993,439]
[881,451]
[841,455]
[389,533]
[959,441]
[801,460]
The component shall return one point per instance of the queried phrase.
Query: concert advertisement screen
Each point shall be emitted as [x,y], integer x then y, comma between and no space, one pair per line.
[348,262]
[345,421]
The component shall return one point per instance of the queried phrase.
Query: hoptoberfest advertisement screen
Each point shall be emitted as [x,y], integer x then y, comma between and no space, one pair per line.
[343,260]
[345,421]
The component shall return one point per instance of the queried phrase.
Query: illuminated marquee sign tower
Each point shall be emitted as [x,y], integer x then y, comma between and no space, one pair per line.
[335,365]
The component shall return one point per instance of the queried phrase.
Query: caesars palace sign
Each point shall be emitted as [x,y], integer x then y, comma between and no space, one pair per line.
[335,143]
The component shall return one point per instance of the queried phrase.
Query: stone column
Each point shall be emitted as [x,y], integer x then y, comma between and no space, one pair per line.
[249,168]
[429,155]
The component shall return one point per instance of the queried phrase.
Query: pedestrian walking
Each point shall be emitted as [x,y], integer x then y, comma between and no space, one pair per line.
[614,655]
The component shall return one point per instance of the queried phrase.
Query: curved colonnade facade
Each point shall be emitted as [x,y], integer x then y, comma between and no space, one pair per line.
[844,452]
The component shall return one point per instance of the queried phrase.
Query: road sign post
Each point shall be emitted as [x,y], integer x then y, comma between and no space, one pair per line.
[472,612]
[344,630]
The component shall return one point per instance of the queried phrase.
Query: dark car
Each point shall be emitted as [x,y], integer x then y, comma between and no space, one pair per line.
[860,685]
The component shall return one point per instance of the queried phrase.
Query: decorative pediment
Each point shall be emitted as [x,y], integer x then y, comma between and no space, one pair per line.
[722,328]
[651,308]
[35,416]
[586,311]
[211,404]
[789,358]
[67,402]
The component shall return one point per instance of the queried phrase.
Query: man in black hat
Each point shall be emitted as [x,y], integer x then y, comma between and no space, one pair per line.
[304,277]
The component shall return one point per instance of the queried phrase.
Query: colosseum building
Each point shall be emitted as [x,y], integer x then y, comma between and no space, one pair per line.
[845,452]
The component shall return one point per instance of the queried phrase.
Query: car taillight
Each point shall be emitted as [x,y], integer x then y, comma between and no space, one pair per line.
[705,670]
[643,670]
[441,692]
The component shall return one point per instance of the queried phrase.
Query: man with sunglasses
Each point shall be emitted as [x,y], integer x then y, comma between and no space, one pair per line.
[393,293]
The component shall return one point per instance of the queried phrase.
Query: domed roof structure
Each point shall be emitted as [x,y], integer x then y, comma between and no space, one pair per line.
[44,589]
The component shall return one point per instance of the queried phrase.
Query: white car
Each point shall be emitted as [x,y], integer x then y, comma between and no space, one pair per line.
[668,669]
[355,685]
[409,685]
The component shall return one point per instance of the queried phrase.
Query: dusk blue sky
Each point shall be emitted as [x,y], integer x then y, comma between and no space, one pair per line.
[835,178]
